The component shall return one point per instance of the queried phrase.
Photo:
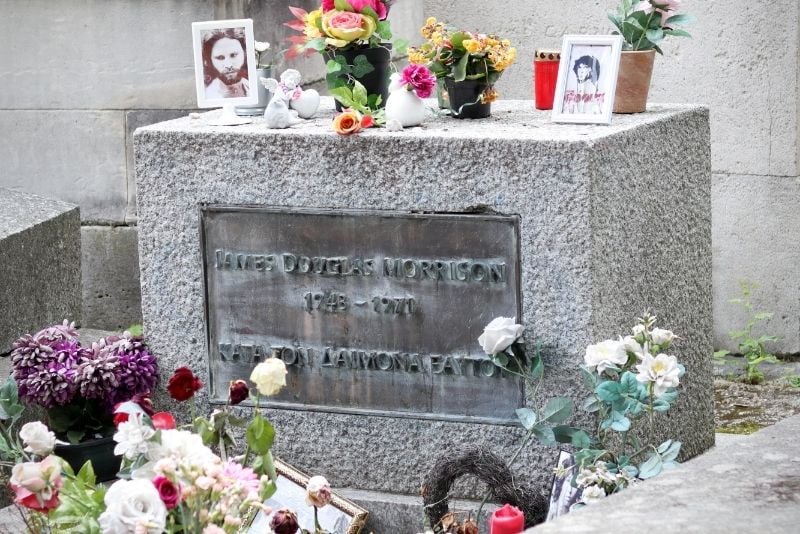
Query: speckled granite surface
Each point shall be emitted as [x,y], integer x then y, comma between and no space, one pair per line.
[615,220]
[40,264]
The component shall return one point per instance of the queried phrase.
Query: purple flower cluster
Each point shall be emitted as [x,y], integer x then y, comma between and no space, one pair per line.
[51,368]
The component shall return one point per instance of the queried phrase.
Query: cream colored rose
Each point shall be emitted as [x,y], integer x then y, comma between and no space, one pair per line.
[37,438]
[500,334]
[343,27]
[318,492]
[608,353]
[269,376]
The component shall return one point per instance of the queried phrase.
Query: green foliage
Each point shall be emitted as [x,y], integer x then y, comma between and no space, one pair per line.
[752,348]
[357,98]
[644,31]
[794,380]
[136,330]
[81,502]
[79,419]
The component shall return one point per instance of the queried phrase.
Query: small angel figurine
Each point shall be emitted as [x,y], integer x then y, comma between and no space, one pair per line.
[287,93]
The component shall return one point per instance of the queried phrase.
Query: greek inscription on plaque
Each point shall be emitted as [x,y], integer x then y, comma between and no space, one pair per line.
[372,312]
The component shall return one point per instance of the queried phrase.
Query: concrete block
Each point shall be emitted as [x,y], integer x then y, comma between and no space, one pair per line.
[614,220]
[110,265]
[756,224]
[94,55]
[40,254]
[742,485]
[76,156]
[751,90]
[134,119]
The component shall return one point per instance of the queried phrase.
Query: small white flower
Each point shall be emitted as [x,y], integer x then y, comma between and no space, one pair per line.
[662,338]
[631,345]
[269,376]
[592,494]
[605,354]
[586,477]
[261,46]
[639,329]
[500,334]
[133,437]
[662,371]
[133,507]
[37,438]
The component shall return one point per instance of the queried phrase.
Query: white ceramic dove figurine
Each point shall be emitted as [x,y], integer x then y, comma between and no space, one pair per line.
[403,105]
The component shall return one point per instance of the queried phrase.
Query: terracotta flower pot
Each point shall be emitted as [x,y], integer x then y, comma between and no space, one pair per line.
[633,82]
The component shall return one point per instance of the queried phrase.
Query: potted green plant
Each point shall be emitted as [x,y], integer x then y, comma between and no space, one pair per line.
[466,64]
[643,25]
[78,387]
[354,38]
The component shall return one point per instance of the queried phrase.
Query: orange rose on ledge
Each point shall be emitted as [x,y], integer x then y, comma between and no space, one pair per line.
[350,121]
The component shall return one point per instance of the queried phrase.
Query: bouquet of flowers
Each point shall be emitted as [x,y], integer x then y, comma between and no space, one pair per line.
[463,55]
[79,386]
[644,24]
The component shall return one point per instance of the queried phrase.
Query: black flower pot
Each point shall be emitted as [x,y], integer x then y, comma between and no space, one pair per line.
[99,451]
[375,82]
[465,99]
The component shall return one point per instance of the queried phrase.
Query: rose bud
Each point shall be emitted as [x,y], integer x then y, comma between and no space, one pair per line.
[318,492]
[238,392]
[169,491]
[183,384]
[163,421]
[284,521]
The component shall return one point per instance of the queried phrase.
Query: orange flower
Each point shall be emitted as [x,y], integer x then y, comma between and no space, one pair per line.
[347,122]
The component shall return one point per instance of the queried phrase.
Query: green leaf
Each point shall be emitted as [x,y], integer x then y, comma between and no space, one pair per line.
[86,474]
[615,20]
[401,46]
[260,435]
[333,66]
[608,391]
[384,29]
[136,330]
[527,417]
[655,35]
[544,434]
[500,359]
[361,66]
[75,436]
[359,94]
[676,32]
[622,424]
[343,5]
[574,436]
[590,379]
[592,404]
[669,450]
[651,467]
[537,367]
[628,383]
[557,410]
[460,70]
[680,19]
[344,95]
[317,44]
[268,491]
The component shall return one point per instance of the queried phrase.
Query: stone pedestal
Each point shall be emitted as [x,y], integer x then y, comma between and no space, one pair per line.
[40,264]
[614,221]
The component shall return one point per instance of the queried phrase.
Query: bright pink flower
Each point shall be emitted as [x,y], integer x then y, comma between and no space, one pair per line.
[169,491]
[358,6]
[420,78]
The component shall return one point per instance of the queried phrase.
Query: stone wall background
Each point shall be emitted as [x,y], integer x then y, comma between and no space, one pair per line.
[81,75]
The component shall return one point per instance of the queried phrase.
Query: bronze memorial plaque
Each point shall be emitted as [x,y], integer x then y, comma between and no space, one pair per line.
[372,312]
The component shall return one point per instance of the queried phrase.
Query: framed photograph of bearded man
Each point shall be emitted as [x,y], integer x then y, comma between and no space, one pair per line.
[225,63]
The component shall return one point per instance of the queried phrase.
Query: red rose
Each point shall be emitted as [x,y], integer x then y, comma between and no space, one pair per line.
[120,417]
[238,392]
[163,421]
[169,492]
[183,384]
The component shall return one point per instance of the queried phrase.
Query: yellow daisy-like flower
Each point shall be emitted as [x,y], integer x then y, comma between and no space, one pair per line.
[431,21]
[430,27]
[502,59]
[471,45]
[437,38]
[416,57]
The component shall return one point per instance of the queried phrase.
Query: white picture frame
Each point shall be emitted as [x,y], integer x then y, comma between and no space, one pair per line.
[587,79]
[220,82]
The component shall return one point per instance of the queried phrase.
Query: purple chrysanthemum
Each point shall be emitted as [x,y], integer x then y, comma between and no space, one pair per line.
[137,370]
[58,332]
[97,375]
[53,385]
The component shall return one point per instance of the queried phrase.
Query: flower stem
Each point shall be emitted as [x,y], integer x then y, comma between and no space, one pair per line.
[645,30]
[522,445]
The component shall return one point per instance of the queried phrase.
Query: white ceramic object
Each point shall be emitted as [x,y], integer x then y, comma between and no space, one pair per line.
[403,105]
[307,104]
[277,114]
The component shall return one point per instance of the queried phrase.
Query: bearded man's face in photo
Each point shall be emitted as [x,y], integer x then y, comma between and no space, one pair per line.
[227,58]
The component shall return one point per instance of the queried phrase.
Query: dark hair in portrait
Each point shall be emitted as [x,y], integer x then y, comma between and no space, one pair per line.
[235,69]
[588,61]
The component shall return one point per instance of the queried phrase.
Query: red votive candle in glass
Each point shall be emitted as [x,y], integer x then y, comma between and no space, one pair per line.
[545,75]
[507,520]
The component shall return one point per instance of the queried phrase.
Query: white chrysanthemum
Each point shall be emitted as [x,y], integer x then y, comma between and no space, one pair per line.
[592,494]
[133,437]
[662,371]
[605,354]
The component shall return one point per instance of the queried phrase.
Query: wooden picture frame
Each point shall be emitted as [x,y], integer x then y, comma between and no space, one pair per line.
[341,516]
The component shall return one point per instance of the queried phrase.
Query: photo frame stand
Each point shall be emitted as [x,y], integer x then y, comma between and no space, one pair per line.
[228,117]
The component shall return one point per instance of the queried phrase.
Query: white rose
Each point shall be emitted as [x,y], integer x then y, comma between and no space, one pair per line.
[318,492]
[631,345]
[133,438]
[605,354]
[261,46]
[37,438]
[133,507]
[269,376]
[639,329]
[662,371]
[500,334]
[592,494]
[662,338]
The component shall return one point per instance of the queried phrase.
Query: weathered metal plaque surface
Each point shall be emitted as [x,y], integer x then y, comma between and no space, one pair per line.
[373,312]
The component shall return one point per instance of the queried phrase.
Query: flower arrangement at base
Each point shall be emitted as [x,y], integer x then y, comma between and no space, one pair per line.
[79,386]
[644,24]
[353,36]
[462,57]
[632,380]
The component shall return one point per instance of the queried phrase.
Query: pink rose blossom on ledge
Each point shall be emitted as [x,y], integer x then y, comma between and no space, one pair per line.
[420,80]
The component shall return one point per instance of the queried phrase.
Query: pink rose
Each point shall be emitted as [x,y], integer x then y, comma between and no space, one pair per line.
[36,484]
[420,78]
[169,492]
[358,6]
[344,20]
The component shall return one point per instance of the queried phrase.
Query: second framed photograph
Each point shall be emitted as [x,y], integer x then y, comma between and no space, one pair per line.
[587,79]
